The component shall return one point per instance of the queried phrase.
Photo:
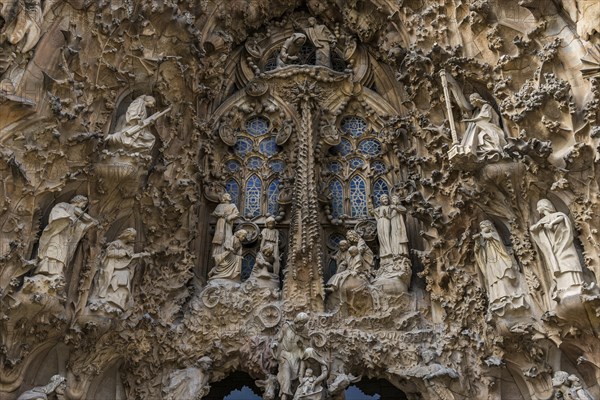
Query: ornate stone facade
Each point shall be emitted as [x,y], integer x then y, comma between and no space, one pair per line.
[312,193]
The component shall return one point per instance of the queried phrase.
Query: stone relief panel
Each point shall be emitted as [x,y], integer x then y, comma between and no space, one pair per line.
[312,193]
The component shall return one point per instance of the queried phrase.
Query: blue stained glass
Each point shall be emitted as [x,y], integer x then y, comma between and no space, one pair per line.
[257,126]
[342,149]
[353,126]
[378,167]
[356,163]
[268,147]
[253,194]
[335,239]
[232,166]
[277,166]
[242,147]
[247,265]
[273,191]
[380,187]
[254,163]
[334,167]
[337,198]
[358,197]
[232,187]
[370,147]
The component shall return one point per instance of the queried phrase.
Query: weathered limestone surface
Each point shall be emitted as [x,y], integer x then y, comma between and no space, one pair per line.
[309,192]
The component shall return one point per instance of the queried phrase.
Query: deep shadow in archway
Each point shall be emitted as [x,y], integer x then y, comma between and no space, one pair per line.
[374,389]
[237,386]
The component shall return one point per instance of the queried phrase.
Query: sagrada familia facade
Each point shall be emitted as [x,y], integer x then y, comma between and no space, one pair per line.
[302,199]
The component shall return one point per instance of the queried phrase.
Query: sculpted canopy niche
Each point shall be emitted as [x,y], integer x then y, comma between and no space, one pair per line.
[304,195]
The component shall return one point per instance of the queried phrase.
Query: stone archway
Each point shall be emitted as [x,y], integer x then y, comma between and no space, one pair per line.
[237,386]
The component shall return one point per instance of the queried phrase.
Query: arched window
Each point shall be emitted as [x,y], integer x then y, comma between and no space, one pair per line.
[380,187]
[358,197]
[253,197]
[273,193]
[337,198]
[254,169]
[355,170]
[233,188]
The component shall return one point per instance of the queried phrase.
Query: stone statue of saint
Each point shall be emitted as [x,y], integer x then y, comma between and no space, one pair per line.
[226,214]
[288,350]
[228,263]
[322,39]
[270,237]
[114,279]
[134,136]
[310,388]
[189,383]
[399,236]
[498,268]
[483,137]
[67,224]
[553,234]
[365,251]
[383,215]
[57,385]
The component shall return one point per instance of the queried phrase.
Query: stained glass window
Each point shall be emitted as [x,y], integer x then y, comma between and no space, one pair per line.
[232,187]
[334,167]
[272,205]
[257,126]
[253,194]
[335,239]
[247,265]
[380,187]
[358,197]
[337,198]
[370,147]
[353,126]
[268,147]
[378,167]
[242,147]
[277,166]
[342,149]
[356,163]
[254,163]
[232,166]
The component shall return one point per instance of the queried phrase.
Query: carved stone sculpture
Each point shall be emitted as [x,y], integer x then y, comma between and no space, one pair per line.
[114,278]
[228,263]
[499,269]
[262,273]
[134,137]
[270,237]
[553,234]
[226,213]
[322,39]
[365,251]
[383,215]
[189,383]
[483,137]
[399,236]
[290,49]
[288,349]
[56,385]
[567,386]
[67,224]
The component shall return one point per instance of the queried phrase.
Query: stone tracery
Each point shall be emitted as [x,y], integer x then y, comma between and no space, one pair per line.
[330,178]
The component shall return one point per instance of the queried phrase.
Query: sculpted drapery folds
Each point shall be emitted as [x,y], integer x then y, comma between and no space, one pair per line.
[554,234]
[134,136]
[226,213]
[288,350]
[499,269]
[67,224]
[483,136]
[228,262]
[116,273]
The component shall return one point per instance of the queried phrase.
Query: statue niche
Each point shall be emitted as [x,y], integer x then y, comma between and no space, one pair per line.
[128,148]
[67,225]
